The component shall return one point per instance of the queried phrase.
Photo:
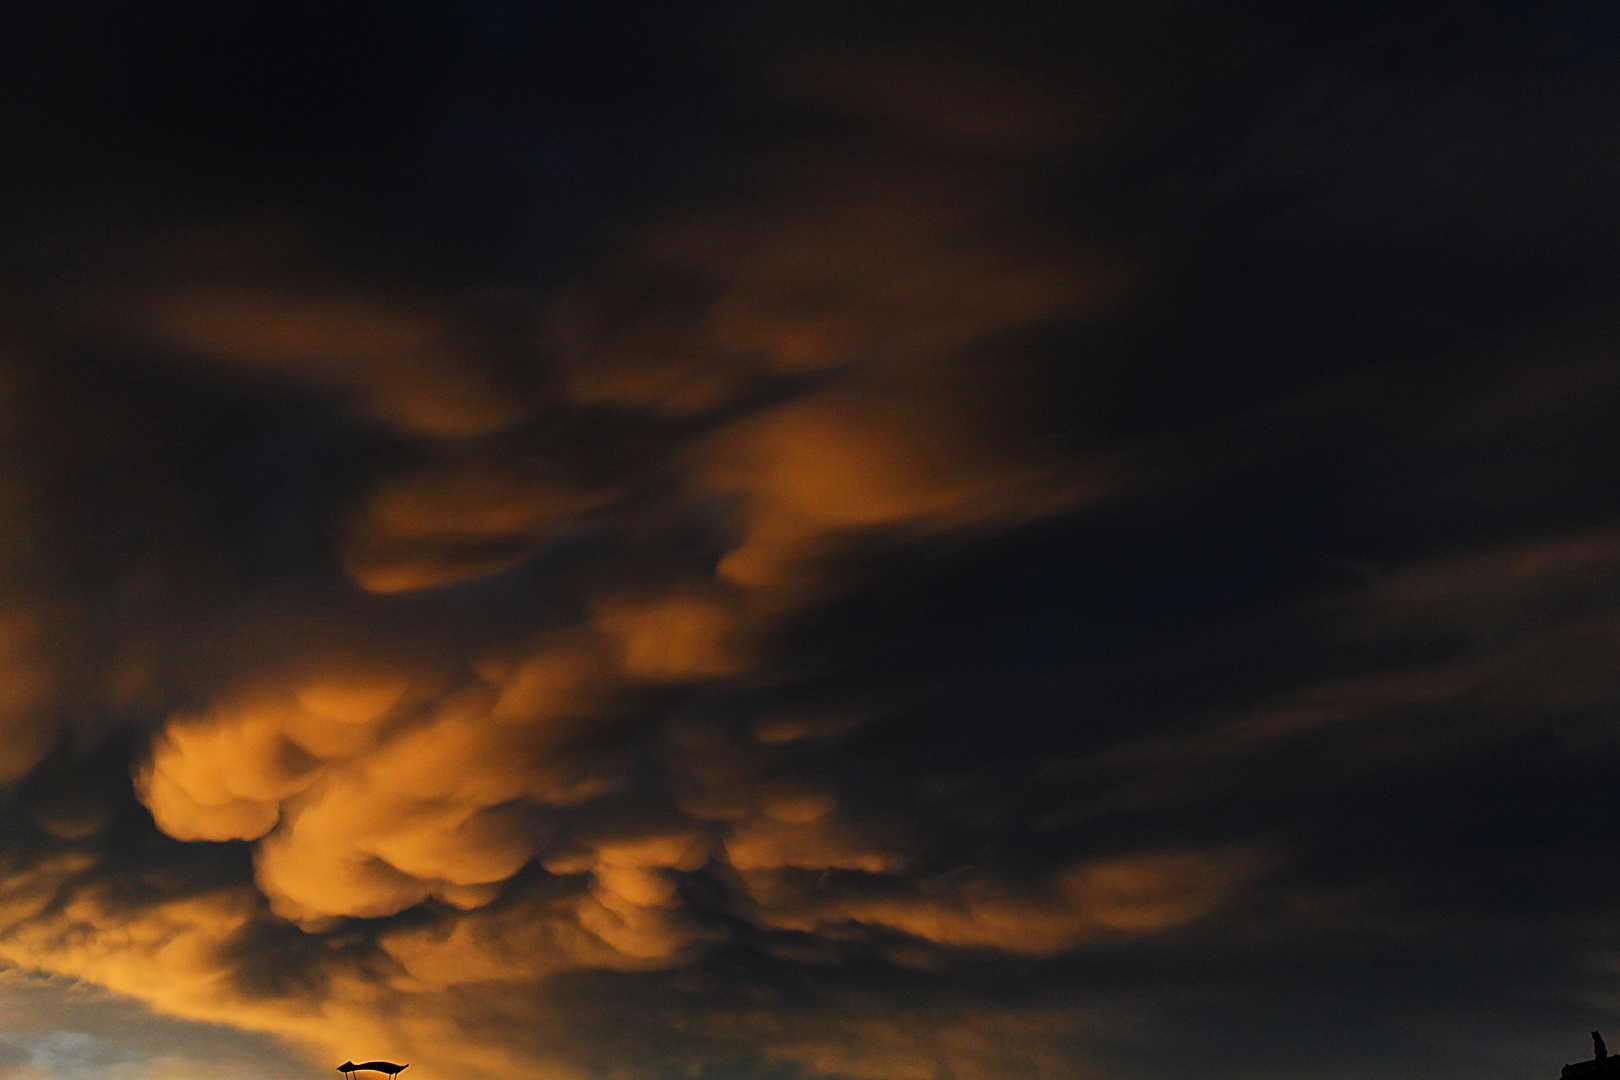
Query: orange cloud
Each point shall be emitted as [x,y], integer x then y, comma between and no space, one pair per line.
[872,455]
[456,517]
[811,372]
[179,957]
[402,360]
[684,635]
[364,807]
[1134,895]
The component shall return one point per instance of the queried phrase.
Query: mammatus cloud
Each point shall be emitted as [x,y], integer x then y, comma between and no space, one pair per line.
[734,413]
[447,821]
[508,787]
[765,645]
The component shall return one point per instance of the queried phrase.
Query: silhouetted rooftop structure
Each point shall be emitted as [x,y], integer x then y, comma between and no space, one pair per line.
[1601,1066]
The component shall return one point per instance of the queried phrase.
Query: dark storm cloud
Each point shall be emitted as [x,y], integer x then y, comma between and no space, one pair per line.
[883,544]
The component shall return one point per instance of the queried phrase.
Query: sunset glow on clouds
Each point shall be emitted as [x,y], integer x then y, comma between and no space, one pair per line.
[811,543]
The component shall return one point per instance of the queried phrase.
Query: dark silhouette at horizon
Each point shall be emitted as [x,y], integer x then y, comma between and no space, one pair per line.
[349,1067]
[1601,1065]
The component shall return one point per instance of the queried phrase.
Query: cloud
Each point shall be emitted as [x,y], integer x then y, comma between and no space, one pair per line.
[983,1043]
[460,516]
[946,95]
[60,1027]
[842,259]
[376,805]
[870,457]
[1526,632]
[406,361]
[848,618]
[1141,894]
[689,635]
[32,611]
[799,373]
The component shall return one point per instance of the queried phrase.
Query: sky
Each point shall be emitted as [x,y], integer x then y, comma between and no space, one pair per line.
[809,540]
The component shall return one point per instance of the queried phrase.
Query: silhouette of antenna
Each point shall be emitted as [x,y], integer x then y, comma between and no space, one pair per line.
[349,1068]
